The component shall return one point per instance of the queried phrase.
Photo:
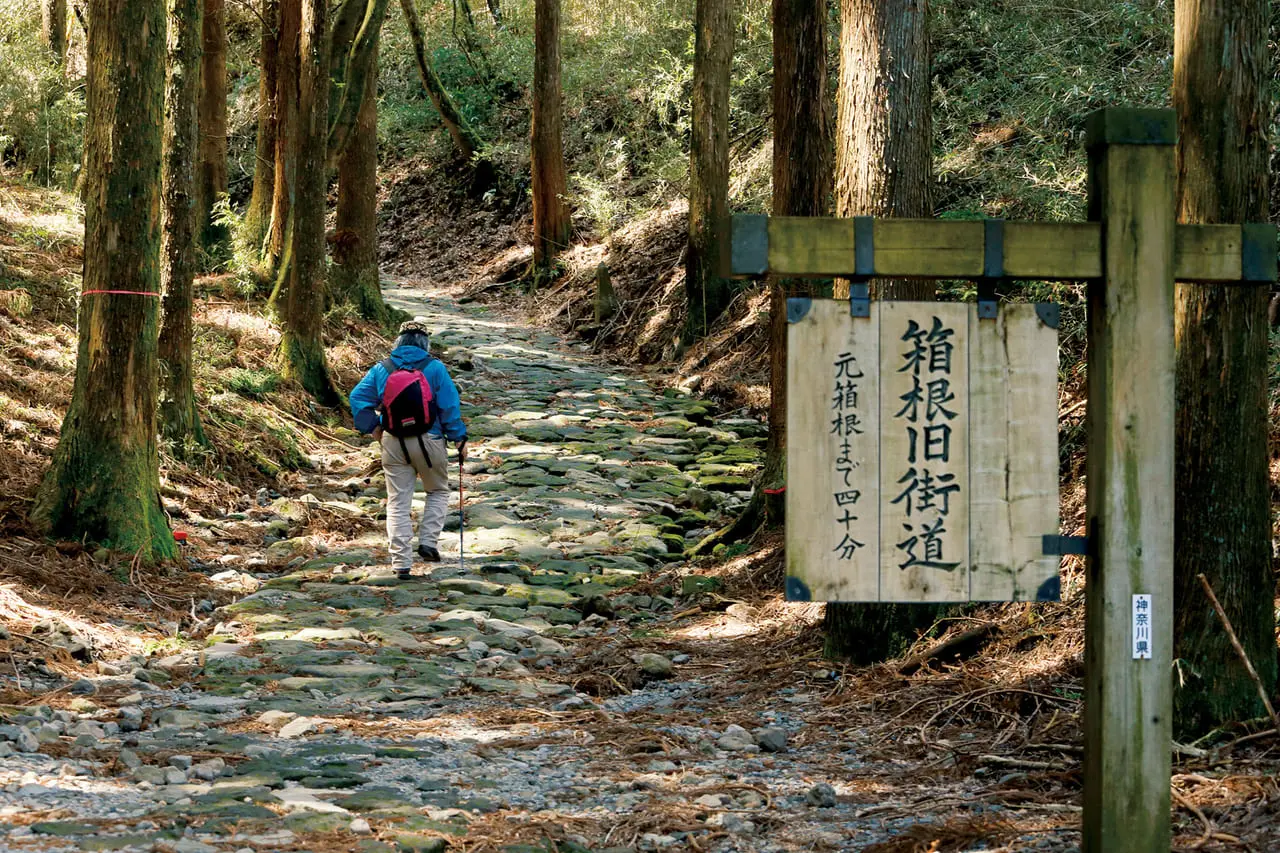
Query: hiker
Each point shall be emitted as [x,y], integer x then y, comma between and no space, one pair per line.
[410,405]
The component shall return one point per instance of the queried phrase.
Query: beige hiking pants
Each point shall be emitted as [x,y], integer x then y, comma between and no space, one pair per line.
[402,476]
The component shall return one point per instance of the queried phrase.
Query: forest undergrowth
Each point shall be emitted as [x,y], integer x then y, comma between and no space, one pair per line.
[262,433]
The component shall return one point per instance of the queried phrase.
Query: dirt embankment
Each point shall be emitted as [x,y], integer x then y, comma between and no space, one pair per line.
[435,231]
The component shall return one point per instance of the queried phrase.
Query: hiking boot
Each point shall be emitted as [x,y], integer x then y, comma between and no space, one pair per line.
[428,554]
[402,574]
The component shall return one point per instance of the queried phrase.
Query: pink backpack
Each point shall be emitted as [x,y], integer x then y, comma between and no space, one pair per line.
[406,404]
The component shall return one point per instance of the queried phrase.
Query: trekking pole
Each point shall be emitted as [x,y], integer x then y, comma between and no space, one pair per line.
[462,519]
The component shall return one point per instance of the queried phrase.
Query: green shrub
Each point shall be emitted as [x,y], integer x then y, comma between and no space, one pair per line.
[41,114]
[253,384]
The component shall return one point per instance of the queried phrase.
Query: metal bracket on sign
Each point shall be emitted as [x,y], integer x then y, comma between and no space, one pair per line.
[992,267]
[1049,314]
[798,308]
[1053,545]
[864,265]
[797,590]
[749,245]
[1257,253]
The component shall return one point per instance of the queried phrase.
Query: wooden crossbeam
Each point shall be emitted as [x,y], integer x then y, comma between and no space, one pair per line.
[803,247]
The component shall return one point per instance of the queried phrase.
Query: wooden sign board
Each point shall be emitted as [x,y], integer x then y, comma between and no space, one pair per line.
[922,452]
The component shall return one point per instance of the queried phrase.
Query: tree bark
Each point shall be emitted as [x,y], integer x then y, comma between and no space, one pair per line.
[353,63]
[884,167]
[53,27]
[884,137]
[551,223]
[302,341]
[79,9]
[104,483]
[551,213]
[495,12]
[801,187]
[464,138]
[1221,71]
[286,138]
[354,275]
[179,419]
[706,289]
[212,177]
[257,220]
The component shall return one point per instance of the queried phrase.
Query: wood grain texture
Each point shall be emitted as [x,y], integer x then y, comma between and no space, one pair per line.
[1013,454]
[967,526]
[924,451]
[1128,703]
[814,535]
[915,248]
[1052,250]
[1207,253]
[817,247]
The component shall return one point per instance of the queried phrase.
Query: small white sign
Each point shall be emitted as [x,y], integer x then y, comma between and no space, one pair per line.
[1141,627]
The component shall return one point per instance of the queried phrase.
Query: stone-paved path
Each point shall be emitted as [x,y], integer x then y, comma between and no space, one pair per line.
[327,699]
[334,708]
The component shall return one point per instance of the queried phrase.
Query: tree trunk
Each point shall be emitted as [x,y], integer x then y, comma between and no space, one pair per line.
[551,223]
[212,176]
[884,136]
[354,275]
[257,219]
[302,340]
[468,21]
[495,12]
[286,166]
[884,167]
[104,483]
[353,63]
[78,7]
[53,27]
[464,138]
[707,290]
[1221,71]
[469,42]
[801,186]
[348,15]
[179,419]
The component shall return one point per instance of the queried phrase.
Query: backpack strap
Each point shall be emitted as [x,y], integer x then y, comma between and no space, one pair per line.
[390,367]
[409,459]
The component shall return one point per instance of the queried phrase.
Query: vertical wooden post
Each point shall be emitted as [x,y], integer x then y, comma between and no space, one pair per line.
[1128,700]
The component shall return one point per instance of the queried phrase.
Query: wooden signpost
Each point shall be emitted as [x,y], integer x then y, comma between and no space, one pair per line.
[922,451]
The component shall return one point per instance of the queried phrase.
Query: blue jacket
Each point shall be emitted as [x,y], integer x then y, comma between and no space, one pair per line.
[366,397]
